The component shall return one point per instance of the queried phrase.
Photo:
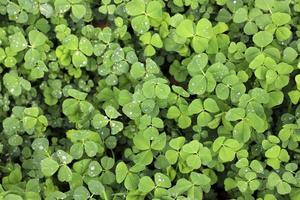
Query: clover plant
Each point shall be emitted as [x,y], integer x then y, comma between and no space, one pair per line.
[150,99]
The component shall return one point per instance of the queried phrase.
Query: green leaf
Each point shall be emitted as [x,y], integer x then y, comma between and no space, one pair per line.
[219,71]
[107,162]
[283,188]
[135,7]
[200,179]
[94,169]
[96,187]
[141,142]
[81,193]
[111,112]
[116,126]
[264,4]
[197,64]
[273,179]
[283,33]
[156,41]
[85,46]
[177,143]
[256,122]
[29,123]
[76,150]
[154,10]
[211,105]
[162,180]
[204,28]
[12,196]
[78,11]
[243,162]
[184,121]
[273,152]
[200,44]
[140,24]
[259,95]
[11,82]
[144,158]
[185,28]
[11,125]
[132,110]
[242,185]
[179,90]
[204,118]
[71,42]
[295,194]
[149,50]
[226,154]
[118,55]
[64,174]
[280,19]
[159,142]
[162,91]
[229,184]
[262,38]
[289,54]
[171,156]
[40,144]
[17,42]
[32,111]
[146,184]
[2,55]
[182,185]
[46,10]
[131,181]
[49,166]
[173,112]
[191,147]
[241,15]
[294,96]
[70,107]
[64,157]
[197,85]
[36,38]
[121,172]
[79,59]
[79,135]
[137,70]
[256,166]
[205,155]
[62,6]
[233,144]
[242,132]
[91,148]
[195,107]
[193,161]
[77,94]
[235,114]
[250,28]
[289,178]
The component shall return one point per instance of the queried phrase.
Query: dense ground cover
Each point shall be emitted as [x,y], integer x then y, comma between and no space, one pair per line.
[140,99]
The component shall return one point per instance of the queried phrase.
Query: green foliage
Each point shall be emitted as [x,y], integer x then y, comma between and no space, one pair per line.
[149,99]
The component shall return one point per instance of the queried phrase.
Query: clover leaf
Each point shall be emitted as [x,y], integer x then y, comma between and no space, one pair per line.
[79,59]
[36,38]
[146,184]
[49,166]
[185,28]
[78,10]
[262,38]
[135,7]
[17,42]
